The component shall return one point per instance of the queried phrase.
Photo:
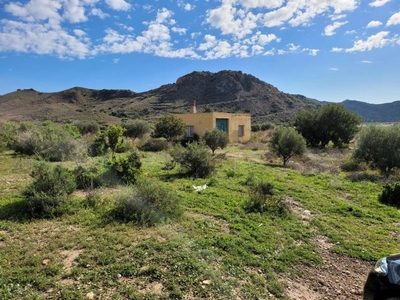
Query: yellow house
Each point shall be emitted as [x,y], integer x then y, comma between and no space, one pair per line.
[238,126]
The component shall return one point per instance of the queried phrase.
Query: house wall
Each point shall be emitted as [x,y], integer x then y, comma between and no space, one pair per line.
[207,121]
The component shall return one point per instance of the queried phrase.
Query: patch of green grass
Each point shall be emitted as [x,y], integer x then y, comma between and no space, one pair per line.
[216,250]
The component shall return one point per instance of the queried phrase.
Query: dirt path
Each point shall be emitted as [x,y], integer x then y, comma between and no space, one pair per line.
[339,277]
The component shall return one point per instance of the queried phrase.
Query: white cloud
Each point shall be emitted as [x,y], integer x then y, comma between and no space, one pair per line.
[366,62]
[378,3]
[188,6]
[378,40]
[330,29]
[312,52]
[336,49]
[180,31]
[36,10]
[334,69]
[350,32]
[231,20]
[337,17]
[41,39]
[74,11]
[116,60]
[118,4]
[99,13]
[374,24]
[394,20]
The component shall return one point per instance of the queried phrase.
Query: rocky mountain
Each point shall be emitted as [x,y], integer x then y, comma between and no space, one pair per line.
[227,91]
[387,112]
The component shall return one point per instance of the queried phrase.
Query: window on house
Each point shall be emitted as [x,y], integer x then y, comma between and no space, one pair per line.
[189,131]
[241,130]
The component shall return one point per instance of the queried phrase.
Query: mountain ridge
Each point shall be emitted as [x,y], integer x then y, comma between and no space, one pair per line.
[225,91]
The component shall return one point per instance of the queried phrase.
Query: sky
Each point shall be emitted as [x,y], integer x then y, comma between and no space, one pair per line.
[329,50]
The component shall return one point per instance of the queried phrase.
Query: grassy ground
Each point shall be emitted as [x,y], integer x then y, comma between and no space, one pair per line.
[216,251]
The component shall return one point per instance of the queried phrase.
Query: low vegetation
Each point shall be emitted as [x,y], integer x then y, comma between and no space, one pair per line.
[136,225]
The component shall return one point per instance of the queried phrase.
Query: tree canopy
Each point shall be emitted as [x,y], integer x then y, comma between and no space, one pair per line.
[287,142]
[169,127]
[380,147]
[216,139]
[331,123]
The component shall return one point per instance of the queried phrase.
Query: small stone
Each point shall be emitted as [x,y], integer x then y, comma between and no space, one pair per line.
[90,295]
[45,262]
[207,282]
[119,276]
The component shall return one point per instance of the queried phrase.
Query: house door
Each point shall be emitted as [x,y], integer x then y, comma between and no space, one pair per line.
[222,124]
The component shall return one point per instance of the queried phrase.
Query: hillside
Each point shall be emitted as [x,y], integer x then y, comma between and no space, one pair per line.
[228,91]
[386,112]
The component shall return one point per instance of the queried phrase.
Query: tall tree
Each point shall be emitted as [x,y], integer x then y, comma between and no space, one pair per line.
[331,123]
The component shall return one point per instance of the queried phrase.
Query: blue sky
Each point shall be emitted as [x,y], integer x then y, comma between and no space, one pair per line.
[329,50]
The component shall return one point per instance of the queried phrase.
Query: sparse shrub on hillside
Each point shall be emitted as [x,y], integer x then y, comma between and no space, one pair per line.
[155,145]
[114,137]
[137,129]
[99,145]
[147,204]
[390,195]
[86,127]
[50,142]
[127,167]
[8,133]
[262,199]
[48,194]
[216,139]
[87,178]
[195,159]
[352,166]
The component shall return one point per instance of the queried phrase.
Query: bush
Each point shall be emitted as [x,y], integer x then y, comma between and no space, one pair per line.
[86,127]
[352,166]
[148,203]
[169,127]
[127,167]
[216,139]
[87,178]
[155,145]
[390,195]
[262,200]
[136,129]
[195,159]
[379,146]
[48,194]
[50,142]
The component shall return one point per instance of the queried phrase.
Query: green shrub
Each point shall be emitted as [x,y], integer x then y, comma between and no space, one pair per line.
[99,145]
[50,142]
[127,167]
[262,200]
[363,176]
[8,132]
[87,178]
[86,127]
[216,139]
[137,129]
[195,159]
[390,195]
[147,203]
[48,194]
[352,166]
[155,145]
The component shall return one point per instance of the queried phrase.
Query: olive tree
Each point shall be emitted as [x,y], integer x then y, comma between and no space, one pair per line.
[287,142]
[216,139]
[331,123]
[169,127]
[379,146]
